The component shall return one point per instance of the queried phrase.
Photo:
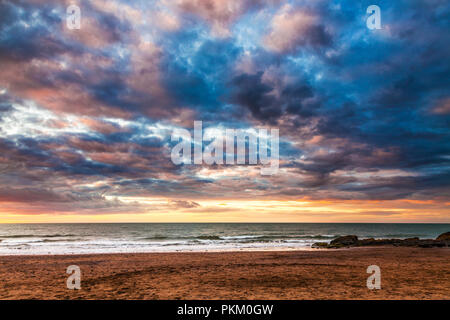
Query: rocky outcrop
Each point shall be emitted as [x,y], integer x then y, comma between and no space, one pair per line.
[444,237]
[344,241]
[352,241]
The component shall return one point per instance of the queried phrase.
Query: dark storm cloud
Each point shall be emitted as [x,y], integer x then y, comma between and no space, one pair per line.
[250,91]
[255,95]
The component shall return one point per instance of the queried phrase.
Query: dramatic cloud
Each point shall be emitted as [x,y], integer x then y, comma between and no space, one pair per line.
[86,115]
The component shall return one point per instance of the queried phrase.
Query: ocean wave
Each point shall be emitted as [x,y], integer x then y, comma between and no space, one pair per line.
[14,236]
[62,241]
[209,238]
[280,237]
[242,238]
[157,237]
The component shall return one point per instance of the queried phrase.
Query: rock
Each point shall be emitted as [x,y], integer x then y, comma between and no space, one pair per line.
[367,242]
[352,241]
[444,237]
[410,242]
[345,241]
[319,245]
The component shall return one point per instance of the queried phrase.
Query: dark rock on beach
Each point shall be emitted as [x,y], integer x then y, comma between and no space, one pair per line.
[442,240]
[344,241]
[444,237]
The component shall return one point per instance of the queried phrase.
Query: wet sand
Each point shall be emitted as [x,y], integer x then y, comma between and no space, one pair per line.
[406,273]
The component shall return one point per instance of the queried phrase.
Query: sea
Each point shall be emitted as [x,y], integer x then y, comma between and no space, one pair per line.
[83,238]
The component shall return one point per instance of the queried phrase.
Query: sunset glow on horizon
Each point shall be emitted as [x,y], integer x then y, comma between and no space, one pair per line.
[325,211]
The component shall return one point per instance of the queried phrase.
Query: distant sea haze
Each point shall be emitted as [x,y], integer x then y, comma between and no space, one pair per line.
[26,239]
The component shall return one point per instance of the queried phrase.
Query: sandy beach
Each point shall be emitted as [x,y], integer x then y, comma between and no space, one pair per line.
[406,273]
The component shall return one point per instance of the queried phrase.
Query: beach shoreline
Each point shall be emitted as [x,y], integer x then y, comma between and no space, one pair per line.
[199,250]
[406,273]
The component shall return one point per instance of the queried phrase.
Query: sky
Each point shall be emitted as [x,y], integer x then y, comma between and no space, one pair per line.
[86,115]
